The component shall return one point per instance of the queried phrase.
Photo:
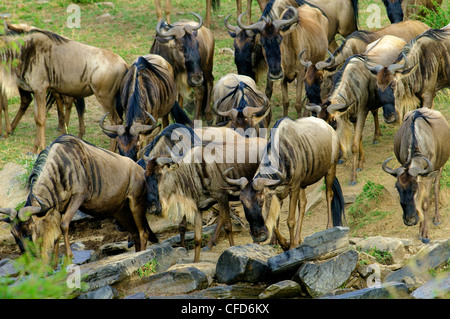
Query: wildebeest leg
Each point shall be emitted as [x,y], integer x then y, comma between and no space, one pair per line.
[138,209]
[207,21]
[423,197]
[61,114]
[75,202]
[206,103]
[165,120]
[224,209]
[301,213]
[182,229]
[4,109]
[299,92]
[269,88]
[199,96]
[197,235]
[437,187]
[377,133]
[357,151]
[180,101]
[40,112]
[293,198]
[427,99]
[25,99]
[285,97]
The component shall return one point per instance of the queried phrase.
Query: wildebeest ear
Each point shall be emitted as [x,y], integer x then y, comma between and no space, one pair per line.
[285,31]
[232,34]
[408,71]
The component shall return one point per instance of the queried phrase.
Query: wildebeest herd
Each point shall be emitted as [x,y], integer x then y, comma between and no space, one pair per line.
[184,169]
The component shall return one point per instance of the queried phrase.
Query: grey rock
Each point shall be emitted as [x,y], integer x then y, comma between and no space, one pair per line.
[321,245]
[113,269]
[394,246]
[9,268]
[83,256]
[415,273]
[438,287]
[384,291]
[139,295]
[282,289]
[111,249]
[105,292]
[245,263]
[237,291]
[320,278]
[174,282]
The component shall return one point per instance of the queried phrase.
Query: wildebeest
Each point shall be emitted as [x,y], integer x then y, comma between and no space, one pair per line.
[282,41]
[196,183]
[387,50]
[421,146]
[353,96]
[189,48]
[298,154]
[148,92]
[71,174]
[425,70]
[400,10]
[318,78]
[4,110]
[239,104]
[50,62]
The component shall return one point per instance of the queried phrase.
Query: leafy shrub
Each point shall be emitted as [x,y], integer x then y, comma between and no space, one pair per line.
[436,18]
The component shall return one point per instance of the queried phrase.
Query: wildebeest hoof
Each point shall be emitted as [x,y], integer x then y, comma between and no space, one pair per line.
[436,223]
[425,240]
[130,244]
[352,183]
[359,169]
[340,161]
[206,248]
[375,142]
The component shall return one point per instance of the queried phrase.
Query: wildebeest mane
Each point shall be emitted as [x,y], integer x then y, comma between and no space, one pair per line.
[337,77]
[38,166]
[138,87]
[414,146]
[363,35]
[17,30]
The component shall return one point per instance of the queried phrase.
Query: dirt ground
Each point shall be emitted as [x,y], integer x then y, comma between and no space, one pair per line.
[96,233]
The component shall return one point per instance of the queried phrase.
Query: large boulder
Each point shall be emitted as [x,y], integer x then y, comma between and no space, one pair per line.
[321,245]
[438,287]
[282,289]
[320,278]
[385,291]
[246,263]
[394,246]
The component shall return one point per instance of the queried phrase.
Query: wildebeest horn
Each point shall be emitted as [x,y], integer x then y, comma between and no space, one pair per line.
[115,129]
[164,161]
[396,67]
[313,108]
[420,171]
[286,22]
[189,29]
[337,107]
[250,110]
[241,182]
[26,212]
[323,64]
[176,32]
[258,26]
[230,27]
[137,129]
[374,69]
[387,169]
[11,212]
[306,64]
[260,183]
[230,113]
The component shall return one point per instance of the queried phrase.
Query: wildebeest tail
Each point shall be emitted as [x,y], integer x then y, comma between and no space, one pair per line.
[180,116]
[337,204]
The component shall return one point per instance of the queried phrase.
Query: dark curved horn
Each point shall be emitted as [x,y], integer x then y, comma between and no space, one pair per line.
[337,107]
[278,24]
[241,182]
[250,110]
[11,212]
[258,26]
[114,129]
[421,171]
[387,169]
[313,108]
[176,32]
[323,64]
[230,113]
[137,129]
[374,69]
[198,26]
[397,67]
[306,64]
[260,183]
[230,27]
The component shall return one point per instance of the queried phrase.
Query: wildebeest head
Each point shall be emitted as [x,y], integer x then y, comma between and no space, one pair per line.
[385,86]
[245,47]
[314,77]
[394,10]
[129,138]
[252,197]
[185,47]
[36,224]
[271,35]
[155,169]
[408,187]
